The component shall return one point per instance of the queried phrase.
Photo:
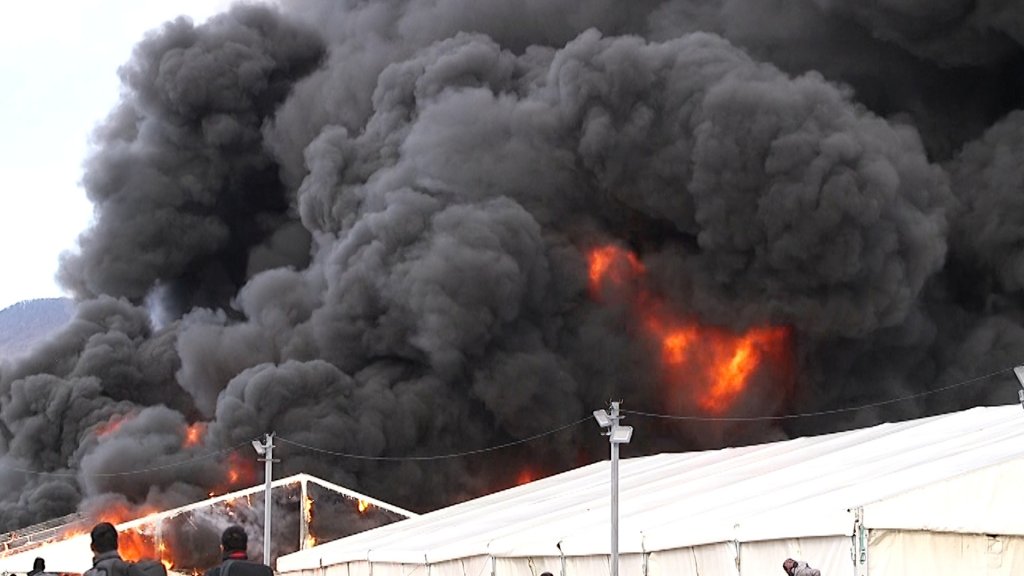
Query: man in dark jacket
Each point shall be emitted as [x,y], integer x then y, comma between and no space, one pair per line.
[105,560]
[233,543]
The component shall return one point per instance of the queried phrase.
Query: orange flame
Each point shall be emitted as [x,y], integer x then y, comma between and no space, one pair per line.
[135,544]
[307,508]
[307,512]
[525,476]
[240,471]
[117,513]
[716,363]
[104,429]
[612,264]
[193,434]
[363,506]
[162,551]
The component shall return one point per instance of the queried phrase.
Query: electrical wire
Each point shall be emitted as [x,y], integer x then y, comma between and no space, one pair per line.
[813,414]
[127,472]
[436,457]
[692,418]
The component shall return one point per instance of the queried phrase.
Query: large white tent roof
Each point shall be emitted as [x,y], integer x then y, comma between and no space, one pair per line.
[803,487]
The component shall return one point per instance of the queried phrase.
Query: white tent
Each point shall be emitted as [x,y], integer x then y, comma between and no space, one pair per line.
[935,496]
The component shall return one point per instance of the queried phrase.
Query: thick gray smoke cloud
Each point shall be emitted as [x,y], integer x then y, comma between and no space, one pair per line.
[365,226]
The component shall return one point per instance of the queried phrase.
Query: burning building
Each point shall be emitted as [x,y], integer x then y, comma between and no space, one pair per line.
[400,233]
[186,539]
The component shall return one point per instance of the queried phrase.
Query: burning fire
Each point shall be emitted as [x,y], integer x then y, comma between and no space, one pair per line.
[133,544]
[104,429]
[363,506]
[162,551]
[240,471]
[712,364]
[307,512]
[193,434]
[612,263]
[525,476]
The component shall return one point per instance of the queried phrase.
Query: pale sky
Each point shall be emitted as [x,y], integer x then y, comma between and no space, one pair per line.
[59,62]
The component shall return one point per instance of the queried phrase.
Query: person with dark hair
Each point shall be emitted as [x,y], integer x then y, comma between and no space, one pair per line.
[38,567]
[795,568]
[105,560]
[234,542]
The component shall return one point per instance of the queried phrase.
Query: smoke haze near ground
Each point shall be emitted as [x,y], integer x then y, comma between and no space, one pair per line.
[365,225]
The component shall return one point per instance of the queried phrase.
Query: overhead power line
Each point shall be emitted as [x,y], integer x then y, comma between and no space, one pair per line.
[191,460]
[438,456]
[686,417]
[695,418]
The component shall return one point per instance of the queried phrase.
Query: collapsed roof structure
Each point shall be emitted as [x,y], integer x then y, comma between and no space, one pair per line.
[64,542]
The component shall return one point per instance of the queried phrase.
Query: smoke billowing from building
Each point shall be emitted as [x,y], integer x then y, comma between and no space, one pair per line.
[366,226]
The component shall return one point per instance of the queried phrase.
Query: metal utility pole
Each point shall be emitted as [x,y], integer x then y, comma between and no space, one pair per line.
[616,435]
[615,489]
[266,449]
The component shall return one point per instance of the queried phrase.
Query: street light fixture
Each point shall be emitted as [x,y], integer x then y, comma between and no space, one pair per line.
[1018,371]
[621,435]
[616,435]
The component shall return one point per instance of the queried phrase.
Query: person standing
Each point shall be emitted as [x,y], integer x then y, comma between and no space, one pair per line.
[38,567]
[799,568]
[233,544]
[105,560]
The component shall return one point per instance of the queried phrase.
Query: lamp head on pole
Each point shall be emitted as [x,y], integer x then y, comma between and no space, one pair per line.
[621,435]
[259,447]
[603,420]
[1018,371]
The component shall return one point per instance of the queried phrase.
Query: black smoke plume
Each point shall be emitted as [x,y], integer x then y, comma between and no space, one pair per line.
[364,226]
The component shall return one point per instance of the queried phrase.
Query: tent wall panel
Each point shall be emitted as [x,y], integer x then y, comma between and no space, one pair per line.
[514,567]
[395,569]
[629,565]
[472,566]
[831,554]
[591,566]
[919,553]
[718,559]
[354,569]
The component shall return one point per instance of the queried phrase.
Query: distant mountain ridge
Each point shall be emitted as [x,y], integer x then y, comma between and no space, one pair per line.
[26,323]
